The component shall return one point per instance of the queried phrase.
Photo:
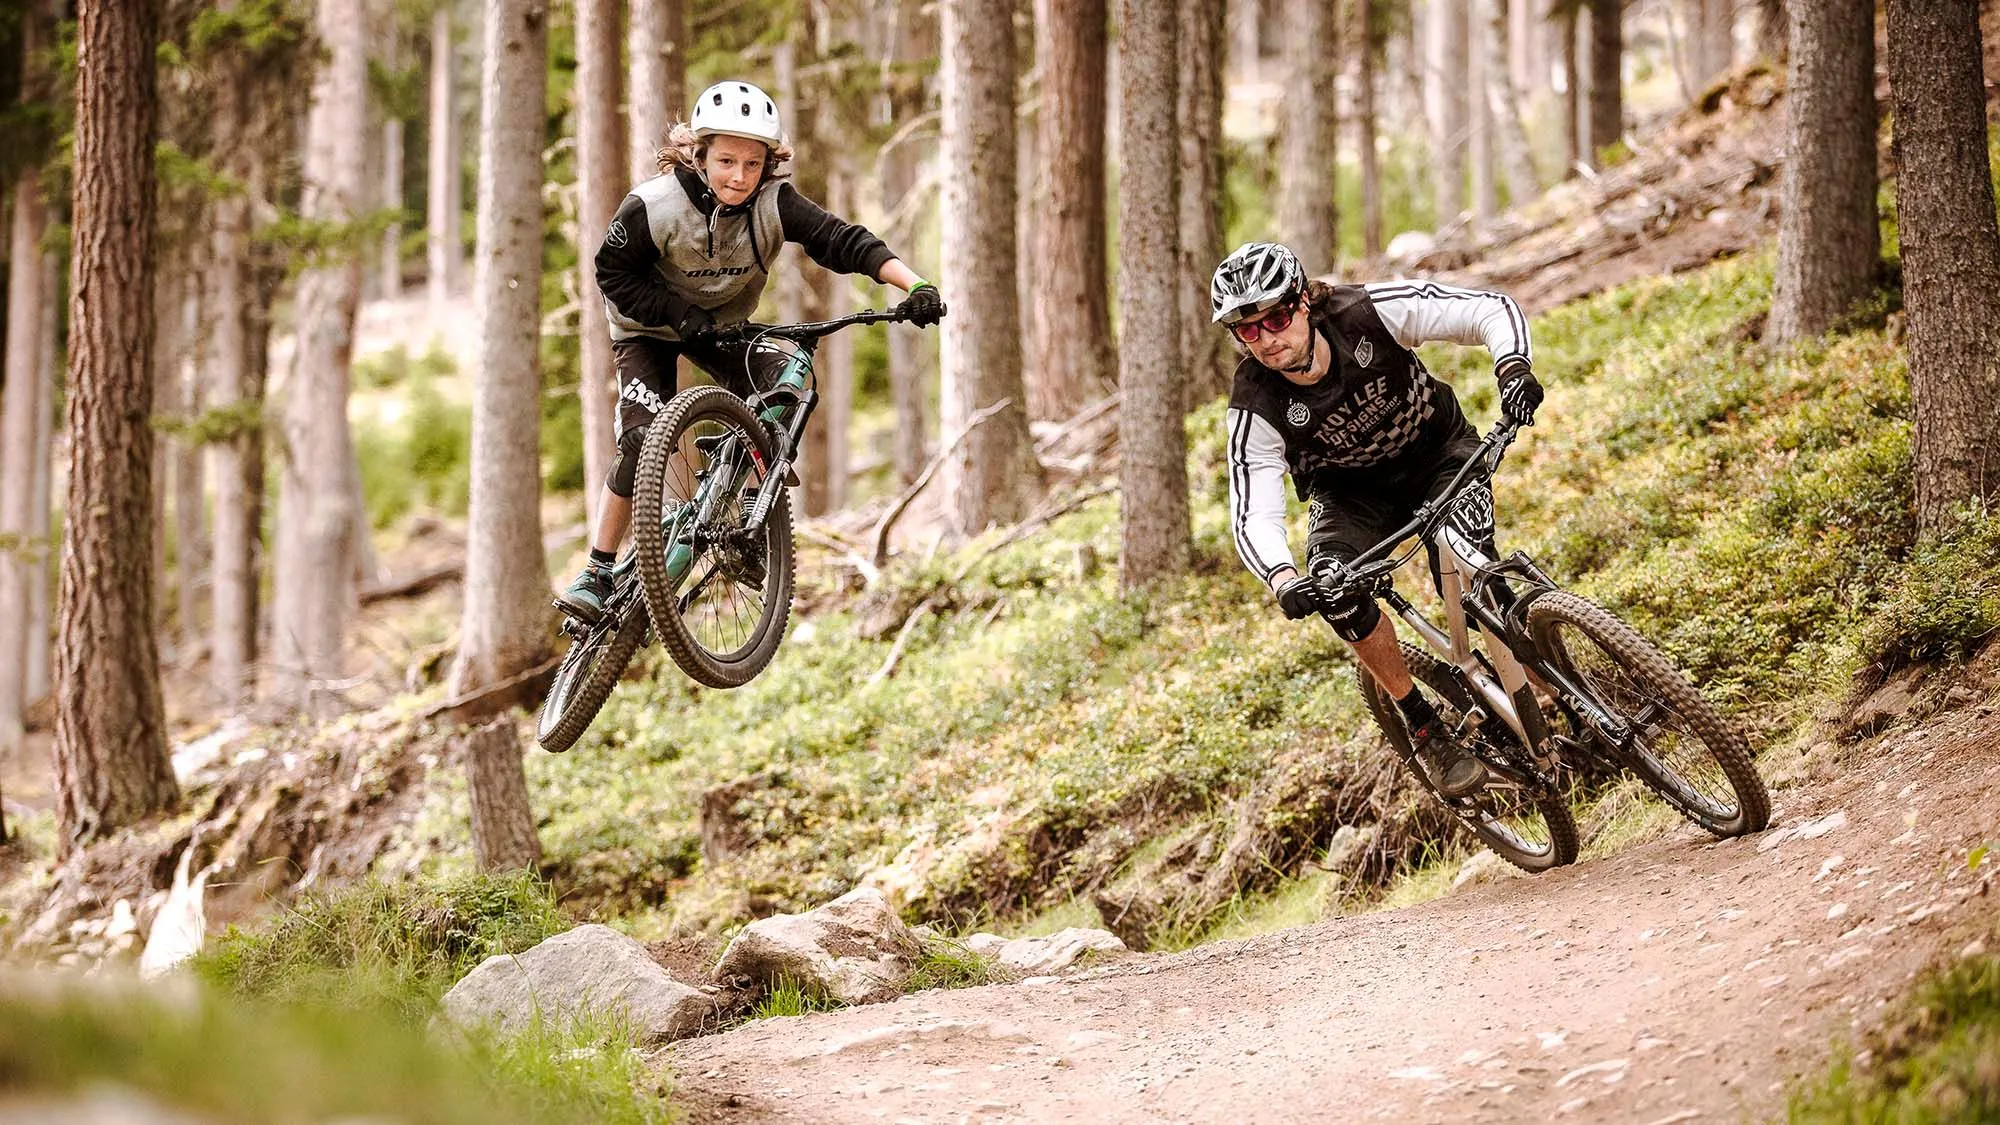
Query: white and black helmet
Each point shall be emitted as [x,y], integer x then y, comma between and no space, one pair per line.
[1257,276]
[737,109]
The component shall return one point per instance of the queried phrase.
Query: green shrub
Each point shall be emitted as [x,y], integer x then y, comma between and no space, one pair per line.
[1938,1060]
[1946,603]
[422,459]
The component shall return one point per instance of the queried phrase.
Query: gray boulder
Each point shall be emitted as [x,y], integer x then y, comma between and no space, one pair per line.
[588,970]
[1041,956]
[854,949]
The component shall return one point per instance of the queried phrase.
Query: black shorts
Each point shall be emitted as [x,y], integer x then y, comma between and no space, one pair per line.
[648,373]
[1351,510]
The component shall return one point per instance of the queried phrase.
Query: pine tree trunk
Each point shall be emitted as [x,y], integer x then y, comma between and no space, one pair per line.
[317,548]
[993,477]
[1367,54]
[40,673]
[1607,53]
[503,824]
[1445,100]
[914,38]
[391,253]
[601,158]
[443,203]
[836,362]
[1151,435]
[1773,36]
[167,276]
[1951,252]
[1573,99]
[191,557]
[1205,355]
[504,629]
[110,748]
[1828,246]
[1718,39]
[1504,101]
[21,549]
[1308,137]
[1479,139]
[232,602]
[1070,363]
[659,79]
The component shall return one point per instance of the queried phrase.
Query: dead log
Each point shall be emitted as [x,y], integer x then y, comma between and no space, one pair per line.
[422,582]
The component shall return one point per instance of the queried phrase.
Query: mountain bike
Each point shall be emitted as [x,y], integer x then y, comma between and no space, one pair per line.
[1616,699]
[710,567]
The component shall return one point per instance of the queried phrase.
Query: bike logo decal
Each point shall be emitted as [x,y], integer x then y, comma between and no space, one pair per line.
[1297,414]
[616,236]
[1364,352]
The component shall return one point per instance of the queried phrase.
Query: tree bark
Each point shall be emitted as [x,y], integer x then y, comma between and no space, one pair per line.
[1368,52]
[994,477]
[1951,252]
[390,262]
[1773,35]
[1828,245]
[1205,355]
[191,552]
[42,573]
[443,202]
[21,547]
[601,159]
[1447,60]
[659,79]
[504,629]
[1718,38]
[913,40]
[1070,363]
[1151,434]
[503,824]
[1479,131]
[110,748]
[317,519]
[1572,99]
[1308,137]
[1510,137]
[232,593]
[1607,54]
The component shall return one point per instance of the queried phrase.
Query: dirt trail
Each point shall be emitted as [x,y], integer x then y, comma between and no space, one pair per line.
[1683,980]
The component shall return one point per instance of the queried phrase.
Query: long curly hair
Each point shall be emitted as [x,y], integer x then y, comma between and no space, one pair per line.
[685,149]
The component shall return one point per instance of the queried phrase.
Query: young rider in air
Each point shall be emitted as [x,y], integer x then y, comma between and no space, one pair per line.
[1330,392]
[691,249]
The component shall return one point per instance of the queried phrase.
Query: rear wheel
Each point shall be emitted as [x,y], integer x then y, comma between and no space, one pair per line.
[719,592]
[586,676]
[1525,822]
[1681,746]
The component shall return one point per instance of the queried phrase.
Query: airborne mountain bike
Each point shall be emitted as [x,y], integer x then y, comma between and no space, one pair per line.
[710,569]
[1616,700]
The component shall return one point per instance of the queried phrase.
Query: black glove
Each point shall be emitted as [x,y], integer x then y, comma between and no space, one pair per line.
[1520,395]
[1301,597]
[923,307]
[696,326]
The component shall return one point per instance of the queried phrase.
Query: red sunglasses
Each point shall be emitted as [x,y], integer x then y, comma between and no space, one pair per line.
[1277,320]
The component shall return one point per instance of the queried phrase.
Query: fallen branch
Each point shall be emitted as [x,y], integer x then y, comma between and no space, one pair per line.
[1081,419]
[483,703]
[888,667]
[423,582]
[1027,527]
[879,556]
[869,571]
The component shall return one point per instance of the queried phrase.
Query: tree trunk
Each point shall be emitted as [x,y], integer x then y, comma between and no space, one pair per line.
[40,674]
[503,824]
[1479,131]
[1071,347]
[1572,100]
[443,203]
[1308,137]
[1368,51]
[914,39]
[1951,252]
[110,750]
[659,79]
[1205,355]
[1718,38]
[1607,53]
[167,279]
[993,477]
[1510,138]
[191,557]
[21,546]
[1828,246]
[504,629]
[1773,37]
[1448,59]
[601,159]
[1151,434]
[232,601]
[391,263]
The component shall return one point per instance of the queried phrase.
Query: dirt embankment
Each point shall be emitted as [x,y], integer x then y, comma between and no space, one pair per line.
[1684,980]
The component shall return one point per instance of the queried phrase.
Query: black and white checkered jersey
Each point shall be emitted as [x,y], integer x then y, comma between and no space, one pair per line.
[1376,407]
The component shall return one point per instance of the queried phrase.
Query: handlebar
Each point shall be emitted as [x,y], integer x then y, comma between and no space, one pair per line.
[799,333]
[1374,563]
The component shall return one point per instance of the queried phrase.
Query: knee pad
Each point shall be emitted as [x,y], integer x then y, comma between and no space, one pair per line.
[625,462]
[1354,617]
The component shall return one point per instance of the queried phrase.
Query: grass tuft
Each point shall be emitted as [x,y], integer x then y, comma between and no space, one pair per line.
[1937,1061]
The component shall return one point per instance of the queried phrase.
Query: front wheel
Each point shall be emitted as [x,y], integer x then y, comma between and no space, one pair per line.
[1523,819]
[1679,744]
[585,678]
[719,591]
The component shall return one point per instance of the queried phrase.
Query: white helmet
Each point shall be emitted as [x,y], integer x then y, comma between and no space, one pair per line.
[736,109]
[1258,276]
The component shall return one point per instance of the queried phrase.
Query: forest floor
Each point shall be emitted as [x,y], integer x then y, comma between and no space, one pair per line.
[1681,980]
